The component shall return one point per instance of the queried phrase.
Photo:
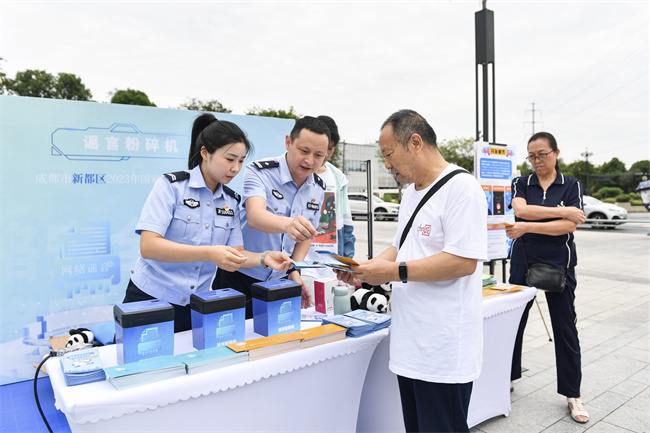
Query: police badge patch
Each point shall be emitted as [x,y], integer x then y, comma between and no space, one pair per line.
[191,203]
[312,206]
[277,194]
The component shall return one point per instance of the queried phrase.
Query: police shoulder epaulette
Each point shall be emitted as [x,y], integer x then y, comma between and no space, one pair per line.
[319,181]
[231,193]
[266,164]
[179,175]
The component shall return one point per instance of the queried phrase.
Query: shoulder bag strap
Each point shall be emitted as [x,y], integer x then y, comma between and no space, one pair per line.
[426,198]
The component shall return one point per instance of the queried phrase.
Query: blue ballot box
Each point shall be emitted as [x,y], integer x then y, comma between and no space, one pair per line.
[143,330]
[276,307]
[218,318]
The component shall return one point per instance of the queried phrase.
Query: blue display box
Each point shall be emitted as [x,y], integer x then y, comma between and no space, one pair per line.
[143,330]
[276,307]
[218,318]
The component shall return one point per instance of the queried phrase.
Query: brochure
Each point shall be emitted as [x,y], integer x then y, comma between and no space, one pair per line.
[211,358]
[145,371]
[82,366]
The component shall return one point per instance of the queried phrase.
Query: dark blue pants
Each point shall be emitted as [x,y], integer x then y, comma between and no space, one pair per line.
[182,315]
[565,334]
[434,407]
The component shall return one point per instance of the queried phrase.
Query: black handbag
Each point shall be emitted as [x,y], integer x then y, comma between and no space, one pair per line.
[544,276]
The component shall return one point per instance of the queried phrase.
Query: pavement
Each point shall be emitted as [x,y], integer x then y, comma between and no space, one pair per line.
[612,305]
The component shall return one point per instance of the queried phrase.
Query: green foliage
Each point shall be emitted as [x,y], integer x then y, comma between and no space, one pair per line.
[615,166]
[641,167]
[524,168]
[623,198]
[610,200]
[271,112]
[41,84]
[211,105]
[634,196]
[337,158]
[131,97]
[597,195]
[69,86]
[459,151]
[610,192]
[636,202]
[3,78]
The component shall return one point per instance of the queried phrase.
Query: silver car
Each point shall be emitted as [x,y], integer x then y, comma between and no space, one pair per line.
[382,209]
[611,214]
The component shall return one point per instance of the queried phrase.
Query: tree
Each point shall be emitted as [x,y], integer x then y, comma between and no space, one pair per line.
[271,112]
[3,78]
[642,167]
[337,158]
[69,86]
[41,84]
[459,151]
[615,166]
[209,105]
[131,97]
[524,168]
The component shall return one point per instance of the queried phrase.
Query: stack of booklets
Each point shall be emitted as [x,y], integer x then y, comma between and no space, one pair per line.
[488,281]
[320,335]
[378,320]
[82,366]
[267,346]
[145,371]
[355,327]
[211,358]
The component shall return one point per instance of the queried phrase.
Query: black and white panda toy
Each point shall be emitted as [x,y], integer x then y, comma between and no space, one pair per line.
[80,338]
[371,298]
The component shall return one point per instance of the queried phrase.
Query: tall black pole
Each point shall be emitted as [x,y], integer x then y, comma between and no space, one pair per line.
[484,27]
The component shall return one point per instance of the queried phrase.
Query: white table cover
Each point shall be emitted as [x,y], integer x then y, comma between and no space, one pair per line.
[381,408]
[309,389]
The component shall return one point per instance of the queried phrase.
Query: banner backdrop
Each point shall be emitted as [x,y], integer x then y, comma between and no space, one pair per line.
[74,178]
[495,168]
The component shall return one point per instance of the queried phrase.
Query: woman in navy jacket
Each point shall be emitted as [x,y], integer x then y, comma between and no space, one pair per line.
[548,207]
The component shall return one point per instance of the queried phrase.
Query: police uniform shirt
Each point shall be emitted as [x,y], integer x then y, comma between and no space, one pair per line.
[271,180]
[182,209]
[558,251]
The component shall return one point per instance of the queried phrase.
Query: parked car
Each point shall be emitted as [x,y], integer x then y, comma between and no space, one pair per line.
[611,214]
[382,209]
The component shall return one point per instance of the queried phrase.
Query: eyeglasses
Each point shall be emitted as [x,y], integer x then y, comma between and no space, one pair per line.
[540,156]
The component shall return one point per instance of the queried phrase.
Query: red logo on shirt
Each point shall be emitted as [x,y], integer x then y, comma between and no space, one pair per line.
[425,230]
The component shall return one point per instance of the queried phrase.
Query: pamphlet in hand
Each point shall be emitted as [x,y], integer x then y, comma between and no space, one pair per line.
[82,366]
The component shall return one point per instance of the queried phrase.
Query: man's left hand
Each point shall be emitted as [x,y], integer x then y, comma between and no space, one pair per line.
[375,271]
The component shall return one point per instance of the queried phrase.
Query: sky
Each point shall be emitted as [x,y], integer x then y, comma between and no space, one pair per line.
[583,64]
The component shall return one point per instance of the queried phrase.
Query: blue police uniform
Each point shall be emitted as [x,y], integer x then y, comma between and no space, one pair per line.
[182,209]
[271,180]
[559,251]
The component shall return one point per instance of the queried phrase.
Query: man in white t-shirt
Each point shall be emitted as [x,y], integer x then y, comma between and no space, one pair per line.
[436,341]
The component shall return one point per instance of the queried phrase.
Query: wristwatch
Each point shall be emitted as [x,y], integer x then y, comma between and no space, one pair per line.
[293,269]
[264,265]
[402,272]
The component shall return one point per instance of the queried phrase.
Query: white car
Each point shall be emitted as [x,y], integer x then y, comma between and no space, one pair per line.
[612,214]
[382,210]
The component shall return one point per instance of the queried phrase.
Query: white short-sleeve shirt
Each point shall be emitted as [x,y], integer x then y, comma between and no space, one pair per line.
[437,327]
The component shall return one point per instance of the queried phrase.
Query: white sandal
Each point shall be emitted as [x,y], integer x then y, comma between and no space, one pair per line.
[577,408]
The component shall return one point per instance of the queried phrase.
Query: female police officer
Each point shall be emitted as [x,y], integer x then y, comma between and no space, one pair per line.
[190,223]
[548,207]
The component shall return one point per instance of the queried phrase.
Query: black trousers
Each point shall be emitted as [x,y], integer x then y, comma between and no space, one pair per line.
[434,407]
[236,281]
[182,315]
[561,307]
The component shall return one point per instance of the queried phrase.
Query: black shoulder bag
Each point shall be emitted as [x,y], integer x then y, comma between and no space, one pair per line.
[543,276]
[426,198]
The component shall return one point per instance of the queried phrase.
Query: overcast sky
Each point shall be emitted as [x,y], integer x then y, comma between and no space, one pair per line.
[584,63]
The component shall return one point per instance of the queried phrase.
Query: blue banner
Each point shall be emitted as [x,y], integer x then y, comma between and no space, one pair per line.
[74,178]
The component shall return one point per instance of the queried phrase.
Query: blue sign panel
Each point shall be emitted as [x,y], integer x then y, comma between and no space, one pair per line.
[74,178]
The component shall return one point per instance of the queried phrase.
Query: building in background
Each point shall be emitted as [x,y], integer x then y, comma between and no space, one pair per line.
[354,167]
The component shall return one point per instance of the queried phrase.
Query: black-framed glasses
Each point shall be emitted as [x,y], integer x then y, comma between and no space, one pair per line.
[540,156]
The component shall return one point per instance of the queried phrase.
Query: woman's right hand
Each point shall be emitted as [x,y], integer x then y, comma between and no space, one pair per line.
[574,214]
[226,258]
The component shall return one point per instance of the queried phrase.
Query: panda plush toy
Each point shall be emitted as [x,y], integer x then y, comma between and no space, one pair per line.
[80,338]
[371,298]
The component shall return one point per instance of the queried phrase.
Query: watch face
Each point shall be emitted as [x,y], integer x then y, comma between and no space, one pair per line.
[402,272]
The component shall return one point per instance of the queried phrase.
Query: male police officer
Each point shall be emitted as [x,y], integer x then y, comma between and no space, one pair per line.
[280,204]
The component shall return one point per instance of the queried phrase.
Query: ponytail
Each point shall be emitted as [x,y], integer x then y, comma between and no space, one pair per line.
[211,133]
